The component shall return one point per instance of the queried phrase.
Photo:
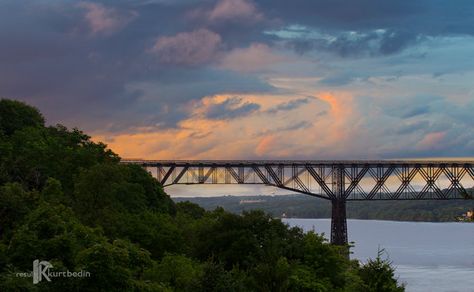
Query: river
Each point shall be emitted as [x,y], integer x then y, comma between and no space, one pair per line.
[427,256]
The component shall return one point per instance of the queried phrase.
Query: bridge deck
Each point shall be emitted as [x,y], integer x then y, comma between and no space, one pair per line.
[359,179]
[297,162]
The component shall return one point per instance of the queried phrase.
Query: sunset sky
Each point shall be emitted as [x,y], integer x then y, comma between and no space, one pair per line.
[243,79]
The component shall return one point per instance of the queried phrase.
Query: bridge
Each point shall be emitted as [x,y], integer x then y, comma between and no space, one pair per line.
[338,181]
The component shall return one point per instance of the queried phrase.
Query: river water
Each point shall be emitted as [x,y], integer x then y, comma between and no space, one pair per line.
[427,256]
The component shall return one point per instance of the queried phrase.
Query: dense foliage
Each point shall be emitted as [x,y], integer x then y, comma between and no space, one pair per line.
[302,206]
[68,200]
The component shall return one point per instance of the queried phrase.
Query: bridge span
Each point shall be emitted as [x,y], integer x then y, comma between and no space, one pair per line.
[338,181]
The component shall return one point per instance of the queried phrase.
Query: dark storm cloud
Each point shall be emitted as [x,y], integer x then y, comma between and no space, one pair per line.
[404,22]
[78,69]
[349,43]
[51,59]
[340,14]
[421,16]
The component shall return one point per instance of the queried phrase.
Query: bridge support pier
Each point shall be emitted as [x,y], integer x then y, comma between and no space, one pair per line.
[339,222]
[338,216]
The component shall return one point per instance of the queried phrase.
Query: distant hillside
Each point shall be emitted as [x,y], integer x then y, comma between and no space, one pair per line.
[300,206]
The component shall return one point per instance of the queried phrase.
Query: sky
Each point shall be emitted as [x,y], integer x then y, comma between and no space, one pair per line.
[248,79]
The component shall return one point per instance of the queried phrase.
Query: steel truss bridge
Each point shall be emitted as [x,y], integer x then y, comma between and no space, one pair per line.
[337,181]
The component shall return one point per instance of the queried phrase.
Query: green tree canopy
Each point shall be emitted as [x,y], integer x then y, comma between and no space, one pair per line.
[16,115]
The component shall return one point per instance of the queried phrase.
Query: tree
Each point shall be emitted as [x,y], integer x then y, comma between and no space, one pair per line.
[110,187]
[178,272]
[50,232]
[15,204]
[216,278]
[113,267]
[325,260]
[379,275]
[53,193]
[190,209]
[16,115]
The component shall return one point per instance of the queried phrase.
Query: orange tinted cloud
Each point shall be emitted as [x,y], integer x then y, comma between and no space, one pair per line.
[338,104]
[318,128]
[343,116]
[264,145]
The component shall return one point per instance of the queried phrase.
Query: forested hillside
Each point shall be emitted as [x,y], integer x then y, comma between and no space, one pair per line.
[302,206]
[68,200]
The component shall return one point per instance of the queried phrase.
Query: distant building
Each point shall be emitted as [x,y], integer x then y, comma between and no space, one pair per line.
[470,214]
[468,217]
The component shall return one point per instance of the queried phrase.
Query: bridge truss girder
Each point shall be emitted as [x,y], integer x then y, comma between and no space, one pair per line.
[359,181]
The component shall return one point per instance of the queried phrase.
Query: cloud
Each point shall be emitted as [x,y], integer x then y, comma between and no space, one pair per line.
[234,9]
[286,128]
[371,65]
[257,57]
[211,131]
[105,20]
[290,105]
[187,48]
[421,105]
[431,141]
[345,132]
[265,145]
[350,43]
[243,12]
[420,17]
[411,127]
[337,80]
[230,108]
[410,112]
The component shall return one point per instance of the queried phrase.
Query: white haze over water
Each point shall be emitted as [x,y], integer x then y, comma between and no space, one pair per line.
[436,257]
